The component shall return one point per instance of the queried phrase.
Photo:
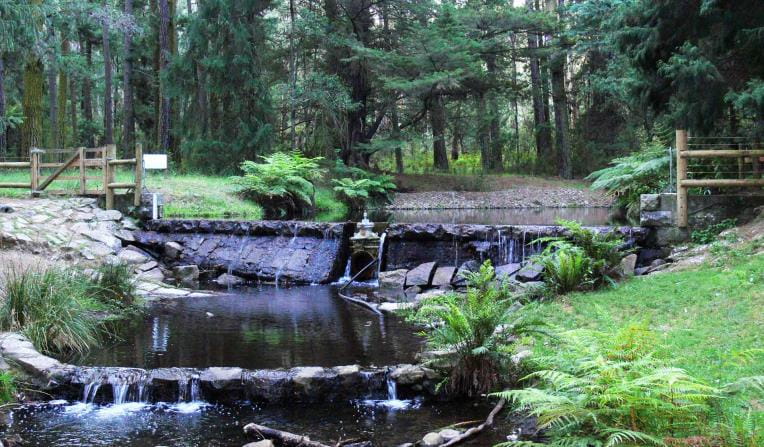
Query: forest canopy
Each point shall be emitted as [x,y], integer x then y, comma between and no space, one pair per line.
[536,86]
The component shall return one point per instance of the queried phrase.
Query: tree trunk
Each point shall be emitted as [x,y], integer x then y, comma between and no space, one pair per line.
[496,159]
[540,116]
[87,92]
[175,117]
[163,134]
[108,105]
[292,79]
[52,97]
[515,105]
[562,145]
[31,129]
[75,140]
[397,135]
[3,130]
[63,93]
[483,129]
[438,123]
[128,112]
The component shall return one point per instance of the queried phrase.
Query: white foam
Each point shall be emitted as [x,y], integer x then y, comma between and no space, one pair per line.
[120,409]
[187,407]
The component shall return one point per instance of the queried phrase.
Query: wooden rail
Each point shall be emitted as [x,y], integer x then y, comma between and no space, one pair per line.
[81,159]
[684,153]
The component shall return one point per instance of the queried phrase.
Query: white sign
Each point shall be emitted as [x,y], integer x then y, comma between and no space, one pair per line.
[155,161]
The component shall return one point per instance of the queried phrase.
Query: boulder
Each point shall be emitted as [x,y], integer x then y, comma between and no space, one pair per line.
[467,267]
[393,279]
[186,275]
[222,377]
[432,439]
[448,434]
[628,263]
[172,250]
[6,209]
[263,443]
[154,274]
[409,374]
[421,275]
[132,257]
[656,218]
[530,273]
[507,270]
[229,280]
[412,292]
[650,202]
[429,294]
[107,215]
[443,277]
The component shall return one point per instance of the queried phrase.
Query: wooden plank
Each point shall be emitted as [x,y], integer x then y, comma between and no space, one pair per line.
[69,177]
[15,164]
[722,153]
[711,183]
[129,161]
[681,176]
[16,185]
[58,171]
[83,177]
[121,185]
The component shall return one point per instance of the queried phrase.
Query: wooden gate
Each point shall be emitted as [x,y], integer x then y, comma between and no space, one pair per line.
[85,162]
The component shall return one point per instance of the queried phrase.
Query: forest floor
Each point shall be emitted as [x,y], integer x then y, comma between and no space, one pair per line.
[436,191]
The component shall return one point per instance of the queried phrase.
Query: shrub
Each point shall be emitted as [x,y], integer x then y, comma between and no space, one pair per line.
[358,187]
[7,387]
[643,172]
[566,269]
[478,329]
[113,285]
[52,307]
[282,184]
[608,389]
[708,235]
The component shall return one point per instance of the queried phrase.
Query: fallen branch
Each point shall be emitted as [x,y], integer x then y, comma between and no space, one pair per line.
[475,430]
[285,438]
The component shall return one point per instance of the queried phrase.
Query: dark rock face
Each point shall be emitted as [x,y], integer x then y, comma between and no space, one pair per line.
[530,273]
[421,275]
[299,252]
[409,245]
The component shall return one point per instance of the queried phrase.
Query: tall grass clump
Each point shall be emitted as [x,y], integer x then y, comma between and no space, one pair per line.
[478,329]
[7,387]
[113,285]
[52,306]
[605,389]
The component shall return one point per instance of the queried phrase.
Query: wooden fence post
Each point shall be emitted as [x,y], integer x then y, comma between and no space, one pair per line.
[34,164]
[681,175]
[108,176]
[138,174]
[83,172]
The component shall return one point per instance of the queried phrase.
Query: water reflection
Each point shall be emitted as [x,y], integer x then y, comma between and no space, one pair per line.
[261,327]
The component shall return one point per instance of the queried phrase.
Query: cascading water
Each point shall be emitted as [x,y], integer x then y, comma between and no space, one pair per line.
[295,230]
[380,253]
[392,389]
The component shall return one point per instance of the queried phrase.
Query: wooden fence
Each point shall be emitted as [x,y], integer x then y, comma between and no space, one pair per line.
[747,168]
[82,160]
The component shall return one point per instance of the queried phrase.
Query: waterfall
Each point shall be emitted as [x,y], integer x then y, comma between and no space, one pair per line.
[295,230]
[380,251]
[392,389]
[188,390]
[120,392]
[90,391]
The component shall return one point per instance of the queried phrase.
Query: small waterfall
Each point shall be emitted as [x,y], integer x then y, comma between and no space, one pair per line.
[295,230]
[392,389]
[188,390]
[120,392]
[90,391]
[523,257]
[380,252]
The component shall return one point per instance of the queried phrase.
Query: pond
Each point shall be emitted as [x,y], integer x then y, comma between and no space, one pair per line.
[593,216]
[260,328]
[198,424]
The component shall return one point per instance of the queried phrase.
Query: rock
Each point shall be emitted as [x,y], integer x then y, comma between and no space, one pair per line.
[263,443]
[124,235]
[628,263]
[221,377]
[639,271]
[448,434]
[443,276]
[394,307]
[146,266]
[671,235]
[412,292]
[132,257]
[656,218]
[432,439]
[129,224]
[186,275]
[428,295]
[530,273]
[650,202]
[507,270]
[107,215]
[467,267]
[421,275]
[154,274]
[531,289]
[6,209]
[229,280]
[408,374]
[393,279]
[172,250]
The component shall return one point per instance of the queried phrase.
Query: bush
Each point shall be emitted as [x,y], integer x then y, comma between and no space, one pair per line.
[643,172]
[282,184]
[478,329]
[7,387]
[582,259]
[358,187]
[708,234]
[113,285]
[52,307]
[608,389]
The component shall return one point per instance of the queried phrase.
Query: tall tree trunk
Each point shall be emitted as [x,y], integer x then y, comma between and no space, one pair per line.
[483,130]
[31,129]
[3,130]
[542,129]
[397,135]
[496,159]
[515,102]
[75,140]
[128,112]
[163,134]
[63,92]
[175,117]
[87,93]
[108,105]
[438,123]
[562,145]
[292,79]
[52,96]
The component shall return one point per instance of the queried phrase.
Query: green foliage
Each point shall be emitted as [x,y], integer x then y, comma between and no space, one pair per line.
[709,234]
[643,172]
[580,260]
[282,184]
[52,307]
[113,284]
[478,329]
[7,387]
[606,389]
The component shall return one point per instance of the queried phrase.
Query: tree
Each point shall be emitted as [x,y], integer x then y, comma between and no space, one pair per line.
[128,112]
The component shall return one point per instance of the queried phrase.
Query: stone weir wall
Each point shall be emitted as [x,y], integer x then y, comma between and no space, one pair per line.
[409,245]
[215,384]
[284,251]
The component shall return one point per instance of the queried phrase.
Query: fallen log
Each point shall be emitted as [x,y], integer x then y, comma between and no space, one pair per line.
[284,437]
[475,430]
